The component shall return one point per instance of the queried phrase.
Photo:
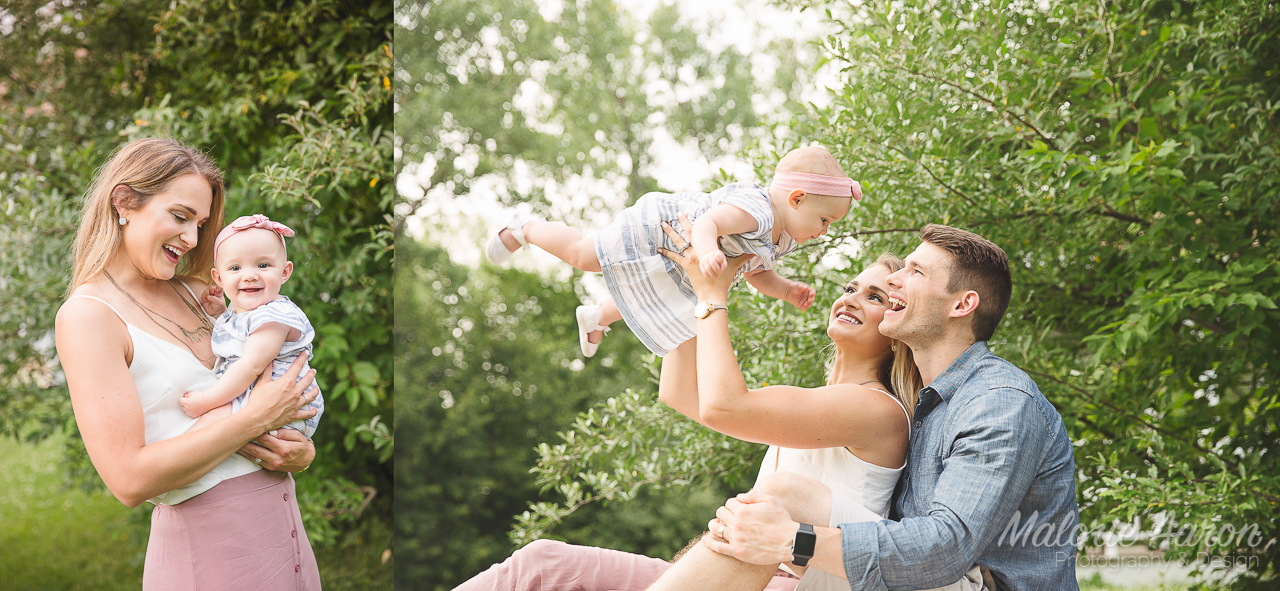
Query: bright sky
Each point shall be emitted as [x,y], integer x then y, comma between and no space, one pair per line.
[463,224]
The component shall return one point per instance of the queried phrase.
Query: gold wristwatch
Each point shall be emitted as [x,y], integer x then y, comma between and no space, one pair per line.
[704,309]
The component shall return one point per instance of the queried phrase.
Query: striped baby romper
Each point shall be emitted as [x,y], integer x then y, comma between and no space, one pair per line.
[654,294]
[232,330]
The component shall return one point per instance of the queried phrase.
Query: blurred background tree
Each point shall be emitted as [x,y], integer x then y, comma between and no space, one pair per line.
[291,99]
[563,110]
[508,93]
[1124,156]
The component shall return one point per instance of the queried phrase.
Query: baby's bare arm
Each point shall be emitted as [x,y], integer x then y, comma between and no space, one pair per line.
[721,220]
[259,350]
[769,283]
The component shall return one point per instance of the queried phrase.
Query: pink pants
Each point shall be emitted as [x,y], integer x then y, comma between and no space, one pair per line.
[557,566]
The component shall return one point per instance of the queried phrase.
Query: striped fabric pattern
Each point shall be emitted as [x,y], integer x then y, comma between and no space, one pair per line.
[232,330]
[654,294]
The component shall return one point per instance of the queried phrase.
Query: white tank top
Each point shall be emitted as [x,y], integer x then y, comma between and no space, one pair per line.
[843,472]
[161,372]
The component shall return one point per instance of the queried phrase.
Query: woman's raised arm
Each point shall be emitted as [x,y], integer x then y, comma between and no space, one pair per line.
[94,347]
[678,380]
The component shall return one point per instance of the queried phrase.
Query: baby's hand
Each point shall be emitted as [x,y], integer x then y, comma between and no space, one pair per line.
[800,295]
[712,263]
[190,402]
[212,302]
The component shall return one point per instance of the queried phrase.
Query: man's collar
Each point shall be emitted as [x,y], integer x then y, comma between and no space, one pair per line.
[956,374]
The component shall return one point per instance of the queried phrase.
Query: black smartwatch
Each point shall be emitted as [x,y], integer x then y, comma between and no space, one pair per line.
[802,547]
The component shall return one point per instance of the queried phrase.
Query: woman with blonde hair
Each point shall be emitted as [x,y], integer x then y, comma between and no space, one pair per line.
[132,337]
[843,444]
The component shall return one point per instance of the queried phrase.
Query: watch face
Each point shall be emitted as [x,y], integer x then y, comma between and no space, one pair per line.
[704,309]
[804,544]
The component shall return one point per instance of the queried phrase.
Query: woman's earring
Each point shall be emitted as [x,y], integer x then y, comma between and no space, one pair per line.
[123,221]
[893,347]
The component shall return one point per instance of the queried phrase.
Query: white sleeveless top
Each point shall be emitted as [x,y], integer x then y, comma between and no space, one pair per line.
[843,472]
[161,372]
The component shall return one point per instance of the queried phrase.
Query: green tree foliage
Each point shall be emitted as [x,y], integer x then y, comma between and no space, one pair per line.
[487,365]
[291,99]
[1124,156]
[482,86]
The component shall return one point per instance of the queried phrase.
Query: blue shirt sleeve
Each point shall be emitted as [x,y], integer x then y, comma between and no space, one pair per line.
[997,445]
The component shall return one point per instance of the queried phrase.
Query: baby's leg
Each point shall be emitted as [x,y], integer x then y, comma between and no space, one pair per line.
[608,315]
[560,240]
[212,417]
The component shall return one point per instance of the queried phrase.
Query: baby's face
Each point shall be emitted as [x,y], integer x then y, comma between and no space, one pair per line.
[251,267]
[813,215]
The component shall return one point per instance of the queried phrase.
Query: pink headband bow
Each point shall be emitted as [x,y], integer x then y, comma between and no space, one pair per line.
[819,184]
[248,222]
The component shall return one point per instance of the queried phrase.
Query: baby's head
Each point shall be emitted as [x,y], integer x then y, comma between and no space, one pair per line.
[250,262]
[813,191]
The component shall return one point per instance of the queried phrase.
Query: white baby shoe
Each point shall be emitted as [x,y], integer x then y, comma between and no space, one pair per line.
[589,322]
[496,251]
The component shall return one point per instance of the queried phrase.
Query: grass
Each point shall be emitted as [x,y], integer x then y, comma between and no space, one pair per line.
[59,538]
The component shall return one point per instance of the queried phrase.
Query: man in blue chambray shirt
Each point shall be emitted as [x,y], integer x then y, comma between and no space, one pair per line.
[990,479]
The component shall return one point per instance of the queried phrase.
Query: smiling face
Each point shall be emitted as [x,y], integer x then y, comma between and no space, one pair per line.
[161,231]
[811,215]
[856,315]
[919,301]
[251,266]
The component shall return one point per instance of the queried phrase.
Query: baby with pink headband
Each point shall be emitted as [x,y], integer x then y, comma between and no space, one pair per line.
[261,329]
[809,192]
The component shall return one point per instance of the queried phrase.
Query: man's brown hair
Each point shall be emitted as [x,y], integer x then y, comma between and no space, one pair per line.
[979,265]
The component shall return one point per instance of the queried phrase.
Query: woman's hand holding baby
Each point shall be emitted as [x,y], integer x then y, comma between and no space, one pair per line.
[280,401]
[283,450]
[708,287]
